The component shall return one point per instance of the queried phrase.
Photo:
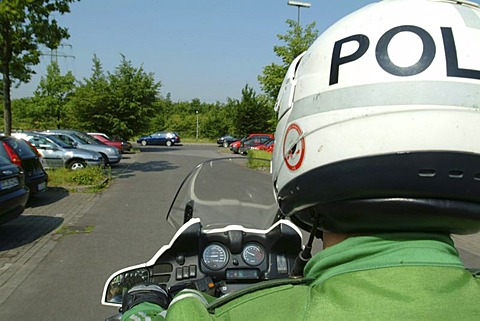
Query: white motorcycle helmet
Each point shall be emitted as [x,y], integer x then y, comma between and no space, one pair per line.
[379,122]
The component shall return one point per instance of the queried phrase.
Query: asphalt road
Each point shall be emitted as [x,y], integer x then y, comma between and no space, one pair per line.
[46,275]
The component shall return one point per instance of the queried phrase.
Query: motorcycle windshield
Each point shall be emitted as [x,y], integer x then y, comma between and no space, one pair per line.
[226,191]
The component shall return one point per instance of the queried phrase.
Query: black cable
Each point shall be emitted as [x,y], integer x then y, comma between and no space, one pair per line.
[306,254]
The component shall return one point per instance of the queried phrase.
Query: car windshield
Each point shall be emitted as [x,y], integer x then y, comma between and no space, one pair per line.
[226,191]
[87,139]
[58,141]
[21,147]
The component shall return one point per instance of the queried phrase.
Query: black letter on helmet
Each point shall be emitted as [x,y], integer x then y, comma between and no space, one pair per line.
[423,63]
[363,43]
[452,59]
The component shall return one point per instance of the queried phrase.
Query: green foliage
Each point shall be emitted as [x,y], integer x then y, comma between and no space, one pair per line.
[120,103]
[297,40]
[133,94]
[24,26]
[89,99]
[91,106]
[23,114]
[51,98]
[259,160]
[253,114]
[259,154]
[93,175]
[87,176]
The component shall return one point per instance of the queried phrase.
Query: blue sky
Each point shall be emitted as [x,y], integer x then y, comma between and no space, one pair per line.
[208,49]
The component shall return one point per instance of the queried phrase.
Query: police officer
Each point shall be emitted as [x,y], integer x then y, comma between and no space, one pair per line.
[376,149]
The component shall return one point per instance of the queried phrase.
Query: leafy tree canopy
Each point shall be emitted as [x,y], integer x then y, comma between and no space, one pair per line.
[24,26]
[253,114]
[297,40]
[52,96]
[119,103]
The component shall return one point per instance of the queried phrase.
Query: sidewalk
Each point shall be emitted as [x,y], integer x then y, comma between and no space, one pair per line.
[26,241]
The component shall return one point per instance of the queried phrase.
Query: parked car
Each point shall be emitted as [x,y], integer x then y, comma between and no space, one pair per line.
[226,140]
[110,154]
[122,145]
[235,146]
[13,191]
[256,140]
[266,146]
[160,138]
[24,155]
[57,154]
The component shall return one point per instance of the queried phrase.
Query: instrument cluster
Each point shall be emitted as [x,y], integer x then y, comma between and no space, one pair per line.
[216,256]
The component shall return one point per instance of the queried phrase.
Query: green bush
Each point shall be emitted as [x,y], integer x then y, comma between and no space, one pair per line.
[253,162]
[259,154]
[93,175]
[87,176]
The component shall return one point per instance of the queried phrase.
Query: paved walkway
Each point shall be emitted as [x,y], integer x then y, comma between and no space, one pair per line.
[25,241]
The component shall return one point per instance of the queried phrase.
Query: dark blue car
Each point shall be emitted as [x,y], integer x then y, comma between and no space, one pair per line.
[13,192]
[160,138]
[226,140]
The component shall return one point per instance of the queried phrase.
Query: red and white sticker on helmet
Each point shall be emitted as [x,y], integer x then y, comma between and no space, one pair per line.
[293,147]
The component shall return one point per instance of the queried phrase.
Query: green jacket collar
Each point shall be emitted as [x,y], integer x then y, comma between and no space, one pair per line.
[383,250]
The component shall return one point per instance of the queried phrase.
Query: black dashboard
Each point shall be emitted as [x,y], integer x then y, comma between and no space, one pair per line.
[234,257]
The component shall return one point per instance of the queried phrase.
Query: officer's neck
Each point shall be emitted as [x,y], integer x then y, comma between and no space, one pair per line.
[330,239]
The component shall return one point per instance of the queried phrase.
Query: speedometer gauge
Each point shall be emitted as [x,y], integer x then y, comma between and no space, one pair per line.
[253,254]
[215,256]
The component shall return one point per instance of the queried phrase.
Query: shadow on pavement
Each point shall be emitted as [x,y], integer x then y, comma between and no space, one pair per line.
[26,229]
[52,195]
[159,148]
[153,166]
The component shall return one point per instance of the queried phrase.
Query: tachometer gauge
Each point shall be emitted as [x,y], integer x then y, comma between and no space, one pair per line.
[215,256]
[253,254]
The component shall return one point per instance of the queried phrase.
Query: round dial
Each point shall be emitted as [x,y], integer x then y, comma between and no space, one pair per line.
[215,256]
[253,254]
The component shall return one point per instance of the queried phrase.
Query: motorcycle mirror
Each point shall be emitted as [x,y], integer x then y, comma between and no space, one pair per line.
[121,283]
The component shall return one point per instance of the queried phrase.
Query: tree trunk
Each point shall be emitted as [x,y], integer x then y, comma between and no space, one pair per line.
[6,58]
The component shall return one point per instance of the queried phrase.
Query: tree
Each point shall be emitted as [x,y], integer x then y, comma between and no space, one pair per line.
[89,99]
[253,114]
[24,114]
[297,41]
[52,95]
[119,103]
[134,93]
[24,25]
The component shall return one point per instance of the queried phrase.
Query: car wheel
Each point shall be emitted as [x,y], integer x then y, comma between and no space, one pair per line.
[225,144]
[144,143]
[169,143]
[235,151]
[76,164]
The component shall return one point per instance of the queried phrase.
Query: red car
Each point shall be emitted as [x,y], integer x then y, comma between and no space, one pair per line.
[122,146]
[267,146]
[235,146]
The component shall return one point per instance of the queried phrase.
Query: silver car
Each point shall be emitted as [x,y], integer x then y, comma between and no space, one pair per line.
[79,139]
[57,154]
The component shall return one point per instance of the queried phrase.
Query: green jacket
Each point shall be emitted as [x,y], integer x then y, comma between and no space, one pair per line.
[402,276]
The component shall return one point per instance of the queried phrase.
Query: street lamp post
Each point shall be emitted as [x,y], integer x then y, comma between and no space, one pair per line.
[196,137]
[299,5]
